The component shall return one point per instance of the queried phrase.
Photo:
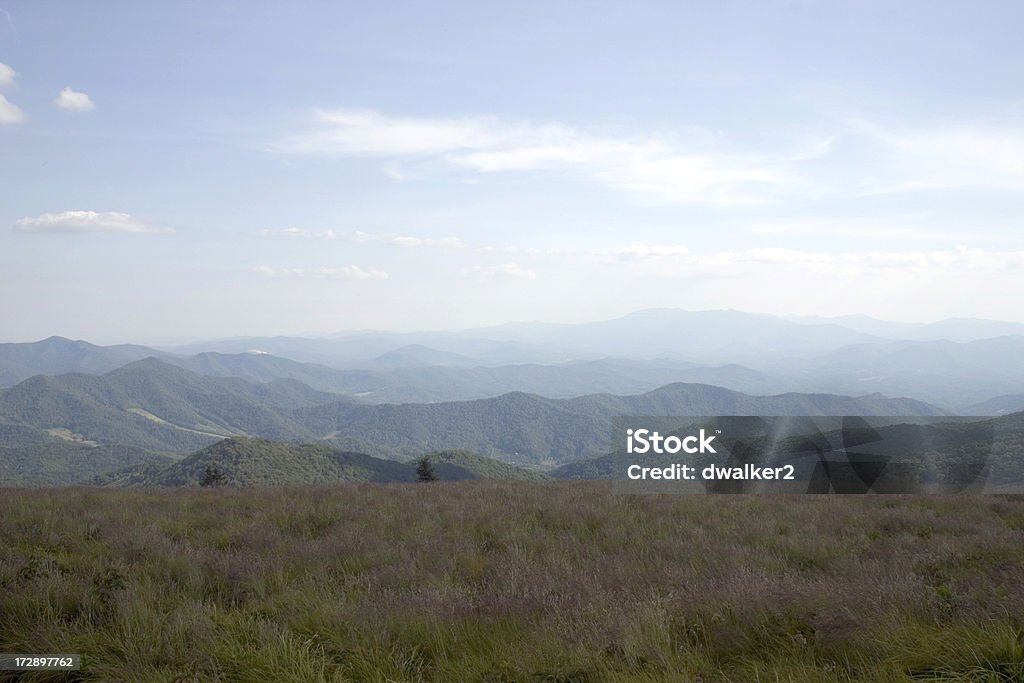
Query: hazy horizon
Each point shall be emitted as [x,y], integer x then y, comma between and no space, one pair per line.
[200,170]
[172,341]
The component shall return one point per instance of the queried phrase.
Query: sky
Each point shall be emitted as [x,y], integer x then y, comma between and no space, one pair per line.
[212,169]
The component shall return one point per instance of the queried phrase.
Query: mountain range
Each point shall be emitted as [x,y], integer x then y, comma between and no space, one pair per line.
[531,394]
[162,409]
[743,352]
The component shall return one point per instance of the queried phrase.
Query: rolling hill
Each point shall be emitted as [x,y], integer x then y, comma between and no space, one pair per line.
[157,407]
[258,462]
[460,465]
[531,430]
[247,461]
[58,356]
[58,462]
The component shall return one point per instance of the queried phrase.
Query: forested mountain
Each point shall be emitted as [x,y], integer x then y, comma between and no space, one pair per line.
[999,405]
[950,363]
[156,407]
[59,462]
[528,429]
[265,367]
[57,356]
[951,374]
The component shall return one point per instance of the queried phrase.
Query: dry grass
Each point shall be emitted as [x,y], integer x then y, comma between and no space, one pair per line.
[512,581]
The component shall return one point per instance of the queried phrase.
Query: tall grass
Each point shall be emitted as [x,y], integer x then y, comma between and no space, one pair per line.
[512,581]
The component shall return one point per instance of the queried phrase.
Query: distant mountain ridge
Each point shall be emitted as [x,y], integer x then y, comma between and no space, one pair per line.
[998,405]
[161,408]
[432,384]
[950,329]
[952,374]
[58,355]
[954,363]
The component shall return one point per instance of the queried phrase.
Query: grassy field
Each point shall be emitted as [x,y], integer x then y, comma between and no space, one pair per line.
[511,581]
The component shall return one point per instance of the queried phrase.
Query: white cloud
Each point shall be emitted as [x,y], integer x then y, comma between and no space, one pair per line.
[338,273]
[513,271]
[696,170]
[519,249]
[408,241]
[349,132]
[10,112]
[7,75]
[286,232]
[945,156]
[639,252]
[349,273]
[88,222]
[360,236]
[692,167]
[75,101]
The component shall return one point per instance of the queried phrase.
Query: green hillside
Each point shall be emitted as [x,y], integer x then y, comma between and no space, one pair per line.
[78,404]
[531,430]
[245,461]
[258,462]
[56,462]
[154,406]
[459,465]
[599,467]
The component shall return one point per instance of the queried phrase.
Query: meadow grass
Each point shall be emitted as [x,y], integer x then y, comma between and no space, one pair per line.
[511,581]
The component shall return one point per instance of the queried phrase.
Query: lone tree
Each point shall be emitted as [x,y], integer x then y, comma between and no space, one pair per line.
[425,469]
[213,476]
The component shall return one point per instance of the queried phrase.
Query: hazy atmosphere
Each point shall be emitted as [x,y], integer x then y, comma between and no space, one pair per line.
[218,169]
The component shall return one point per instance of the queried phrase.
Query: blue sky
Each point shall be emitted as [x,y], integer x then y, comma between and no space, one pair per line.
[216,169]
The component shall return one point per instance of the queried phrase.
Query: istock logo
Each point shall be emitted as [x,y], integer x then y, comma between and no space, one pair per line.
[646,441]
[842,454]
